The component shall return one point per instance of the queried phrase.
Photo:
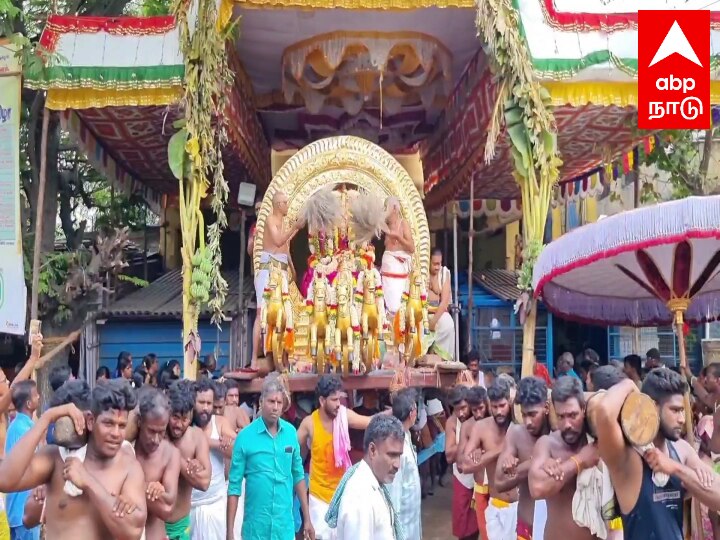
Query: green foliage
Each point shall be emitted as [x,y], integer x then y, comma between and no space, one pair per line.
[138,282]
[680,154]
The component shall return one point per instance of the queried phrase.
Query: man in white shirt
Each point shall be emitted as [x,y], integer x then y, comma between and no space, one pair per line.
[405,488]
[362,506]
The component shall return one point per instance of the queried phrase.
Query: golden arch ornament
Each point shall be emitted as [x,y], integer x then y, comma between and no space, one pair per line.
[347,160]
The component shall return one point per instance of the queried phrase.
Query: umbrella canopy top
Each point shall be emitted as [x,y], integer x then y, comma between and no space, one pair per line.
[627,268]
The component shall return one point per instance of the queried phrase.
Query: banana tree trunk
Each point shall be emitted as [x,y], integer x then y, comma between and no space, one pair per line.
[528,351]
[190,318]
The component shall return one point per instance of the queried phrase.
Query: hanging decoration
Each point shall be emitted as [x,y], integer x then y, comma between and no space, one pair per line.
[523,109]
[195,157]
[352,70]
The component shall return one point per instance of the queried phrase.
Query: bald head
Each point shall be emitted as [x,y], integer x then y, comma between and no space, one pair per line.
[280,202]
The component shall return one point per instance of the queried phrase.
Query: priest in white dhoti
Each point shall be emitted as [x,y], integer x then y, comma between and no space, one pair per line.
[397,258]
[362,507]
[441,339]
[405,490]
[275,250]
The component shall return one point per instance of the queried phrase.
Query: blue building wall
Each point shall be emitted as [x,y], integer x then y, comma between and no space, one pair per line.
[164,338]
[500,345]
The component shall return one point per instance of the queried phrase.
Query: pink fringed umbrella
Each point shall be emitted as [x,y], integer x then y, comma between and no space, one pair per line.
[651,266]
[646,267]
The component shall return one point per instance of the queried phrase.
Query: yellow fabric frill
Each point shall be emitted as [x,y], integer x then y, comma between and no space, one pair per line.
[84,98]
[622,94]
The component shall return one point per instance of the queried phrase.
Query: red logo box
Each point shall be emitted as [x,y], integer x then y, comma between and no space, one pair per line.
[674,69]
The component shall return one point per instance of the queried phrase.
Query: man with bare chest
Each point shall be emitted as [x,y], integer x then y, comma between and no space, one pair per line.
[464,526]
[397,258]
[209,506]
[486,440]
[514,461]
[476,397]
[227,401]
[558,459]
[159,459]
[194,450]
[275,249]
[81,500]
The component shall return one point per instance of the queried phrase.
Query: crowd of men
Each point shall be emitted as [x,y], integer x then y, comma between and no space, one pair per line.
[166,458]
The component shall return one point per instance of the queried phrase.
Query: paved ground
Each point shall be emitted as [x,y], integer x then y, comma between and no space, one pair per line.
[437,519]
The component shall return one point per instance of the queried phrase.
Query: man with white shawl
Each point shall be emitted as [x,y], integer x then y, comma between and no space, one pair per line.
[325,434]
[362,507]
[275,249]
[441,339]
[405,490]
[397,258]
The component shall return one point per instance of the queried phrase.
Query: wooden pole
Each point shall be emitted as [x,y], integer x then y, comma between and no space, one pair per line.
[471,233]
[679,325]
[457,287]
[37,248]
[241,291]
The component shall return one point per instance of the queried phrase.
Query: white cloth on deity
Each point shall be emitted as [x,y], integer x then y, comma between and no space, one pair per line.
[263,274]
[396,267]
[405,492]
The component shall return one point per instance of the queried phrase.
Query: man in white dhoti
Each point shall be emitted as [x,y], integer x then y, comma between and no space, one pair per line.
[275,248]
[441,339]
[209,508]
[397,259]
[362,506]
[405,489]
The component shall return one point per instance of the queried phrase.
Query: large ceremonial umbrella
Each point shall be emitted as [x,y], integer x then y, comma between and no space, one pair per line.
[654,265]
[651,266]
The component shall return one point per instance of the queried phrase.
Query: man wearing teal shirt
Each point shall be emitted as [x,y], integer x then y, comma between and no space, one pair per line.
[267,456]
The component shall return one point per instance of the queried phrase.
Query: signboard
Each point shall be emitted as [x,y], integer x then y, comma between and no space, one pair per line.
[13,295]
[674,69]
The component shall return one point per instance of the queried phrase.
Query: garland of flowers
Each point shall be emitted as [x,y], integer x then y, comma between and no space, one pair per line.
[195,155]
[525,107]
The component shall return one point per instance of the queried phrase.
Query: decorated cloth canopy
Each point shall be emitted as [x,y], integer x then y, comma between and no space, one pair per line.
[637,268]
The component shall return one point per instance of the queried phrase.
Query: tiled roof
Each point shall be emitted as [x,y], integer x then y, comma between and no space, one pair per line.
[163,298]
[500,283]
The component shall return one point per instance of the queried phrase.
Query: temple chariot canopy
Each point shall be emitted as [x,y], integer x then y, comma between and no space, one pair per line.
[409,75]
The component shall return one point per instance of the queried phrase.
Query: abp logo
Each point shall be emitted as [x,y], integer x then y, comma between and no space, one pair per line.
[674,69]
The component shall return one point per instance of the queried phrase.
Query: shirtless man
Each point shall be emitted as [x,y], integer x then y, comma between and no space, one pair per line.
[464,523]
[96,513]
[316,435]
[559,457]
[159,459]
[439,297]
[276,246]
[228,405]
[209,506]
[397,258]
[476,397]
[648,510]
[194,450]
[514,461]
[483,449]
